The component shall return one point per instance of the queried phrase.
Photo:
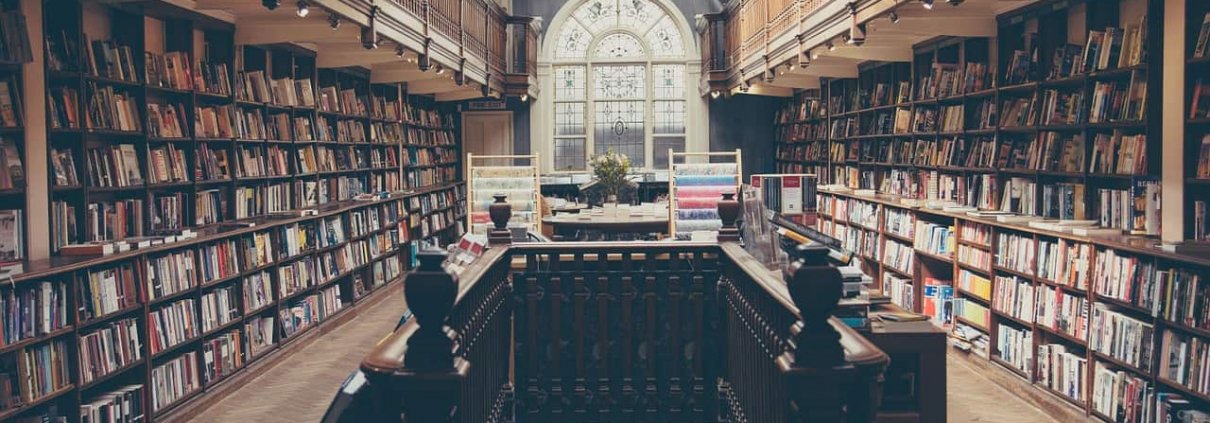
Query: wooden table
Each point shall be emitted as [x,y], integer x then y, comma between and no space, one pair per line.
[568,225]
[568,209]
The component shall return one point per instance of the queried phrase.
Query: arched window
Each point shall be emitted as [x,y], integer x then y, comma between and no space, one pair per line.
[619,72]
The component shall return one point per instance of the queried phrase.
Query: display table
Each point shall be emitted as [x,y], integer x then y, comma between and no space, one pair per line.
[588,223]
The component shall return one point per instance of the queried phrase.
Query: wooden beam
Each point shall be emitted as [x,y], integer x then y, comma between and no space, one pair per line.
[462,93]
[432,86]
[340,55]
[863,53]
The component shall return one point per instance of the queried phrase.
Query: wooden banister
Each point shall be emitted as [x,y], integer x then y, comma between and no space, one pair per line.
[623,332]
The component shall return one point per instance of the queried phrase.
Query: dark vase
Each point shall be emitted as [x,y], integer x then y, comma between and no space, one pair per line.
[500,211]
[728,209]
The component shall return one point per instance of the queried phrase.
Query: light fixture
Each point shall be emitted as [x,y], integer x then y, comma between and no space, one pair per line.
[270,4]
[411,59]
[400,51]
[856,35]
[928,4]
[954,2]
[303,9]
[714,94]
[440,69]
[894,17]
[369,33]
[814,55]
[743,87]
[334,22]
[831,47]
[524,98]
[791,66]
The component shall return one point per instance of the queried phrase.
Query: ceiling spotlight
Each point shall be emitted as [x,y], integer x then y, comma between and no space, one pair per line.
[791,66]
[831,47]
[743,88]
[440,69]
[524,98]
[894,17]
[411,59]
[334,22]
[814,55]
[954,2]
[714,94]
[928,4]
[303,9]
[270,4]
[399,51]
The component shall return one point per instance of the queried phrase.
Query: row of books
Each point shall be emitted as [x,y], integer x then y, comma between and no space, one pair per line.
[1064,262]
[974,284]
[1015,252]
[1015,346]
[1062,312]
[1122,337]
[109,348]
[1014,296]
[222,356]
[12,172]
[172,324]
[1063,371]
[935,239]
[219,307]
[174,380]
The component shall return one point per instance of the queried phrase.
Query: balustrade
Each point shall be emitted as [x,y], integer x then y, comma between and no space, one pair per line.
[685,332]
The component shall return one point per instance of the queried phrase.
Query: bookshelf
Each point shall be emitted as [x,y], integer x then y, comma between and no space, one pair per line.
[1197,127]
[14,240]
[248,196]
[515,177]
[1040,299]
[975,121]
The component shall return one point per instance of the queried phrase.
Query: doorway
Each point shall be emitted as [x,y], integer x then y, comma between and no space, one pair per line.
[487,133]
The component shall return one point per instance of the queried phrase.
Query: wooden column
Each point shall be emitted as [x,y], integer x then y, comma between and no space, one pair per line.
[37,179]
[1172,176]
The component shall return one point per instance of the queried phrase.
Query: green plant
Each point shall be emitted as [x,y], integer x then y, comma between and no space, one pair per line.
[610,170]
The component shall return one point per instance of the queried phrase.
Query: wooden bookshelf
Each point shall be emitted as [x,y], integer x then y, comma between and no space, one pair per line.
[1075,275]
[1197,127]
[389,185]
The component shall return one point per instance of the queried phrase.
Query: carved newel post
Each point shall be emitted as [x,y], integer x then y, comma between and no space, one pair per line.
[431,377]
[500,211]
[819,378]
[816,288]
[430,291]
[728,212]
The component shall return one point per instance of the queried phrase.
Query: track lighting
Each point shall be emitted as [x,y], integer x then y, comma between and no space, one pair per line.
[334,22]
[440,69]
[791,66]
[954,2]
[303,9]
[400,51]
[524,98]
[814,55]
[831,47]
[894,17]
[743,88]
[715,94]
[270,4]
[928,4]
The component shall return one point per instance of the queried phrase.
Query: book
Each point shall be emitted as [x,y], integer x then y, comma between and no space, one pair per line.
[1202,47]
[12,172]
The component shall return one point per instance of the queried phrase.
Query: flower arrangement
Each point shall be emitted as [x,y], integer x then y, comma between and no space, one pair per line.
[610,170]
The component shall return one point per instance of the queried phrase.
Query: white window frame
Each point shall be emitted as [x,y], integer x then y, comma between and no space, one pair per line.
[696,131]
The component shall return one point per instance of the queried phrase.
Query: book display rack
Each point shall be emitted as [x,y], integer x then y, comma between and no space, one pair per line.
[516,177]
[1058,127]
[210,203]
[1044,304]
[696,183]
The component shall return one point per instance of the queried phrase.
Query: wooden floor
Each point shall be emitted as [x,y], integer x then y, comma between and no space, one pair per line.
[299,388]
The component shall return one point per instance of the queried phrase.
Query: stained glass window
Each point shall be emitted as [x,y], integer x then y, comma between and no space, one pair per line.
[619,45]
[619,127]
[620,83]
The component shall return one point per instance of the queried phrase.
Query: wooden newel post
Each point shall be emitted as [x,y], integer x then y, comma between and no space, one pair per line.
[728,212]
[500,211]
[818,379]
[431,376]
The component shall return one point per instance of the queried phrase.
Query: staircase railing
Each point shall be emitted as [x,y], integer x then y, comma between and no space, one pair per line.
[605,332]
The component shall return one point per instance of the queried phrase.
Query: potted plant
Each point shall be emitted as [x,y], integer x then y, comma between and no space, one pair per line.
[610,170]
